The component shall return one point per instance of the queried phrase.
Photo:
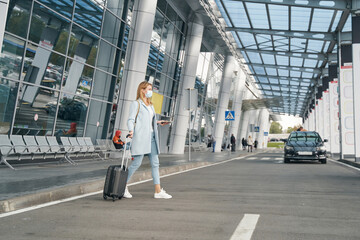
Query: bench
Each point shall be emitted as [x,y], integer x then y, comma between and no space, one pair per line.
[201,147]
[18,147]
[23,147]
[91,147]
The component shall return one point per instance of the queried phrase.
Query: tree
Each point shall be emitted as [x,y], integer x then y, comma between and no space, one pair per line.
[294,128]
[275,128]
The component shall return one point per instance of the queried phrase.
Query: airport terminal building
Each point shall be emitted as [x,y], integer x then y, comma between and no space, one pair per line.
[65,61]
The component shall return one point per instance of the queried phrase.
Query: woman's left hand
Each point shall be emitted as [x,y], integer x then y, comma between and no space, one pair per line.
[163,123]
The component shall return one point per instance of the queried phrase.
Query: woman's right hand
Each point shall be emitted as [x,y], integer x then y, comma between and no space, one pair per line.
[130,134]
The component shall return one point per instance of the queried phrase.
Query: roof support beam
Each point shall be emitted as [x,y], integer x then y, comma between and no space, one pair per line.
[283,33]
[283,78]
[338,4]
[298,69]
[313,56]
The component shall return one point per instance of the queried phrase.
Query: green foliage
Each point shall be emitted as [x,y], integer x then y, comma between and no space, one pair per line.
[276,144]
[275,128]
[291,129]
[17,23]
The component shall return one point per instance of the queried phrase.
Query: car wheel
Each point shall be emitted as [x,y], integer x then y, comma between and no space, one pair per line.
[323,161]
[286,160]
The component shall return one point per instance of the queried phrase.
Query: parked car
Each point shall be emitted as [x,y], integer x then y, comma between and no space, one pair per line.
[274,140]
[305,146]
[69,109]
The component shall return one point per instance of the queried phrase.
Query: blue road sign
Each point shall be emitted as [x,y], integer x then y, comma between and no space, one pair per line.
[84,82]
[229,115]
[266,134]
[256,129]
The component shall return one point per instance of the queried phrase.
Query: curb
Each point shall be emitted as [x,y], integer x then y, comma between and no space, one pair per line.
[30,200]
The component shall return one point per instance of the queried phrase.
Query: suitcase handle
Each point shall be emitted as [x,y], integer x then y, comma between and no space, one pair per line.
[125,148]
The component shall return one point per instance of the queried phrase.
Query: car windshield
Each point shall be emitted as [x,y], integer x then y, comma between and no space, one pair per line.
[305,137]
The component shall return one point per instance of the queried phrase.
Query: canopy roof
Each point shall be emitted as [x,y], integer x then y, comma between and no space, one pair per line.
[286,44]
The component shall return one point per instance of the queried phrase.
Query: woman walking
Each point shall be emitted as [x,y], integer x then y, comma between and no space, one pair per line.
[250,143]
[142,125]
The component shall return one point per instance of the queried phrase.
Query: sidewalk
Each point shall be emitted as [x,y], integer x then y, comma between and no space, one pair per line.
[40,183]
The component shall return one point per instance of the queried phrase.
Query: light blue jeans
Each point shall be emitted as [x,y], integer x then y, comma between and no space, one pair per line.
[154,162]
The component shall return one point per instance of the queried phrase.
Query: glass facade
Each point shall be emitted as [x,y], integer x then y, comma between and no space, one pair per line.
[165,62]
[208,78]
[166,55]
[62,62]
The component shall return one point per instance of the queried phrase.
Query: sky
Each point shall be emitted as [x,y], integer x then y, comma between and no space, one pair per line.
[289,121]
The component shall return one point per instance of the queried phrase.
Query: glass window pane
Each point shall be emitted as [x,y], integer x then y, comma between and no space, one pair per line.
[150,74]
[161,4]
[106,57]
[65,7]
[116,6]
[11,57]
[71,109]
[43,67]
[18,17]
[8,92]
[171,14]
[167,36]
[49,28]
[300,18]
[153,56]
[156,33]
[104,86]
[258,15]
[83,45]
[111,28]
[77,78]
[35,117]
[101,118]
[279,16]
[89,15]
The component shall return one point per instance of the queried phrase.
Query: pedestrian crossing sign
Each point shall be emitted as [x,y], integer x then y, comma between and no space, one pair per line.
[229,115]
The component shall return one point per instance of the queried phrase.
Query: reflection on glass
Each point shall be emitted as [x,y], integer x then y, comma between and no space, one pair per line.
[36,118]
[171,14]
[11,56]
[18,17]
[78,78]
[106,57]
[156,33]
[104,86]
[89,15]
[83,45]
[101,119]
[8,92]
[65,7]
[72,109]
[111,28]
[49,28]
[42,67]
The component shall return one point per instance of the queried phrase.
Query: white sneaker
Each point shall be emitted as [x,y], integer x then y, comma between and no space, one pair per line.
[127,193]
[162,194]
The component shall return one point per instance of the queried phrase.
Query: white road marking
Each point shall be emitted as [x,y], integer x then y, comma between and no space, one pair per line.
[265,158]
[2,215]
[246,227]
[278,158]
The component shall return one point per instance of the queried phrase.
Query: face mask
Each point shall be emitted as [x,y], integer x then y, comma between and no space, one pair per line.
[148,94]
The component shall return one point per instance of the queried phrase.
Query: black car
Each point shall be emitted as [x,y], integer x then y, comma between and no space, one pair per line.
[305,146]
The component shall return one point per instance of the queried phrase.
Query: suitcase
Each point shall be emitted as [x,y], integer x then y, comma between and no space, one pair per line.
[116,177]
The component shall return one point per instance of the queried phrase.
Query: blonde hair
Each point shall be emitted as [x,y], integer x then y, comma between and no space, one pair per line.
[142,86]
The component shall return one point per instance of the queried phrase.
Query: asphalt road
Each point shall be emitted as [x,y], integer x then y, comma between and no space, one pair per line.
[301,200]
